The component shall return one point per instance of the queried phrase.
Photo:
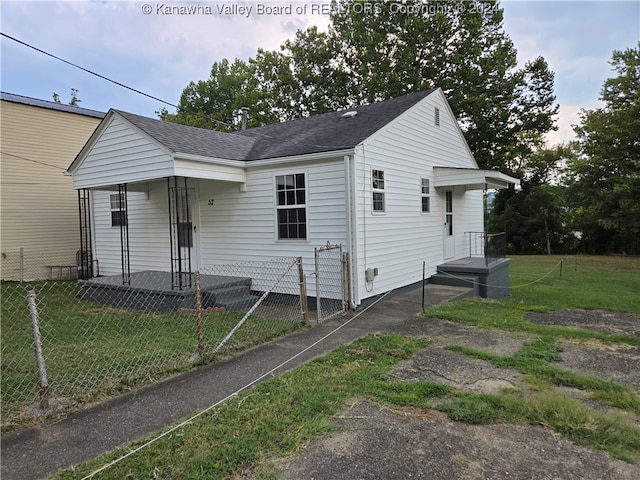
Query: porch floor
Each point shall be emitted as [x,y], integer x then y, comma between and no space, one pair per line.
[152,290]
[157,282]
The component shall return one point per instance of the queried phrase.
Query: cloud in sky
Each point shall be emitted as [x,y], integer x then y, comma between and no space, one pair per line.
[161,53]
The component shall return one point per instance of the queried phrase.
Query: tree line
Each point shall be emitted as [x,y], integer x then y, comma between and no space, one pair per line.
[583,196]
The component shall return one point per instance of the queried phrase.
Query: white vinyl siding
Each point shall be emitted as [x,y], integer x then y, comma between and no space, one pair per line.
[148,224]
[398,242]
[122,155]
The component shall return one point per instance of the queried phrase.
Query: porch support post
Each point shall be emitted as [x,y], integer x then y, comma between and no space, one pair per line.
[85,260]
[124,234]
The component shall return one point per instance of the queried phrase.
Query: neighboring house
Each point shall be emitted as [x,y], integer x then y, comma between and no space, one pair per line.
[39,209]
[394,182]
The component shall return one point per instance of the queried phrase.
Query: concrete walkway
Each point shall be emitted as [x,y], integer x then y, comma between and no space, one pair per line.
[39,451]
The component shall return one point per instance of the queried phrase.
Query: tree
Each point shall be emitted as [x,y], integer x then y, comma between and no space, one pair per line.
[214,103]
[399,48]
[373,51]
[74,102]
[536,217]
[604,182]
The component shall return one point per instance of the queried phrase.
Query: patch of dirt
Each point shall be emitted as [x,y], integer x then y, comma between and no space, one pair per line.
[621,365]
[455,370]
[597,320]
[374,442]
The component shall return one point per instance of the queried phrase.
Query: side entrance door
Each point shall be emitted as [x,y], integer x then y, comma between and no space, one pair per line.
[449,238]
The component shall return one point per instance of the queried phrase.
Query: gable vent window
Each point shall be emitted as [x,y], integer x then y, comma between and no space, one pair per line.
[377,189]
[425,197]
[118,210]
[436,116]
[291,207]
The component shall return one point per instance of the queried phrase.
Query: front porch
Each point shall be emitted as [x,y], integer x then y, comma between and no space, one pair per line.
[155,291]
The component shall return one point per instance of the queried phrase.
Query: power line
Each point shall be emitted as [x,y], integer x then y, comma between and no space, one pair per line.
[34,161]
[87,70]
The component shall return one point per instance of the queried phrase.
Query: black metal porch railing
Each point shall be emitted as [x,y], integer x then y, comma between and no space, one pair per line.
[491,246]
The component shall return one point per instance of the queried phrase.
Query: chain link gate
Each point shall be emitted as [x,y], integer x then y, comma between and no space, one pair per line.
[331,285]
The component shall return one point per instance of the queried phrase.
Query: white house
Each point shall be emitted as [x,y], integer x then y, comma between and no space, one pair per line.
[394,182]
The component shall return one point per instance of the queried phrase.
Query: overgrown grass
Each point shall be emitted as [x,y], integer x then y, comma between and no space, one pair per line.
[93,350]
[277,419]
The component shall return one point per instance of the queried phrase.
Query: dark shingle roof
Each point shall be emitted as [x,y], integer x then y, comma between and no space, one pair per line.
[320,133]
[61,107]
[191,140]
[328,131]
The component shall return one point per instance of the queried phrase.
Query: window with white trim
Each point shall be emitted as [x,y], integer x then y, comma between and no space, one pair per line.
[118,209]
[425,200]
[377,191]
[291,207]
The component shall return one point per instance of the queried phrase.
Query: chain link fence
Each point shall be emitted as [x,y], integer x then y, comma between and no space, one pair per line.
[332,294]
[25,265]
[100,337]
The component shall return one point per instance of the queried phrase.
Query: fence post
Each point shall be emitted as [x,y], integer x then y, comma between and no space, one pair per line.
[37,342]
[199,315]
[424,266]
[21,264]
[318,298]
[303,291]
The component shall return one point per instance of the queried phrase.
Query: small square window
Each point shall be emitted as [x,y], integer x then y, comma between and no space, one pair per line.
[118,209]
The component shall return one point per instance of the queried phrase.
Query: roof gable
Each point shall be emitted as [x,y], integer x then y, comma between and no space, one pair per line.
[192,140]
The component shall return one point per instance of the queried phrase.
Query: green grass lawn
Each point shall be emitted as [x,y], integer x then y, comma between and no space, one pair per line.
[278,418]
[93,351]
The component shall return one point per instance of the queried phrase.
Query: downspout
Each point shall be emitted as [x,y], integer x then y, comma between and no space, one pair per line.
[351,217]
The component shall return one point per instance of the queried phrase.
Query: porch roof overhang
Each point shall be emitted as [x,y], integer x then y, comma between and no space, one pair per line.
[471,178]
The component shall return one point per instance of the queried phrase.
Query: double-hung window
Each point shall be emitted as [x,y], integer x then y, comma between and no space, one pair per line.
[425,196]
[118,210]
[291,201]
[377,191]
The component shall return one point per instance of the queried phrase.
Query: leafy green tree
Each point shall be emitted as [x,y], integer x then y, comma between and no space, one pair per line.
[373,51]
[214,103]
[604,182]
[536,217]
[459,46]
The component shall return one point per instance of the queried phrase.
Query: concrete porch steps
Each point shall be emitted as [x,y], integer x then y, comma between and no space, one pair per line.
[471,282]
[236,297]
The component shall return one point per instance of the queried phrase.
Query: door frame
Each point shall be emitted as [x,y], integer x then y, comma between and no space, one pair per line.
[449,224]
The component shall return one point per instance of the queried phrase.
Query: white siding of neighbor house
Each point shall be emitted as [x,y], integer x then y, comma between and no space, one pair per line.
[398,241]
[122,154]
[149,245]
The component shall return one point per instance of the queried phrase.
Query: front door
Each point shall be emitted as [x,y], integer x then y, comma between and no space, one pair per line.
[449,238]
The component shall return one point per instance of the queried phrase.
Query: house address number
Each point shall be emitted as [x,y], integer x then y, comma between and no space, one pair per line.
[210,202]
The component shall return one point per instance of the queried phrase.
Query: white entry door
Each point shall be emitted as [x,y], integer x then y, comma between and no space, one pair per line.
[449,238]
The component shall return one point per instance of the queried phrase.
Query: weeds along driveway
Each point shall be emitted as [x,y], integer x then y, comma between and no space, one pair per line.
[381,441]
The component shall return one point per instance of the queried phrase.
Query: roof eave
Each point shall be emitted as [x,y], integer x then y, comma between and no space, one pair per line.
[307,157]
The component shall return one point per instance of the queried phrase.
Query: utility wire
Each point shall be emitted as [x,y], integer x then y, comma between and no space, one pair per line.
[87,70]
[34,161]
[270,373]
